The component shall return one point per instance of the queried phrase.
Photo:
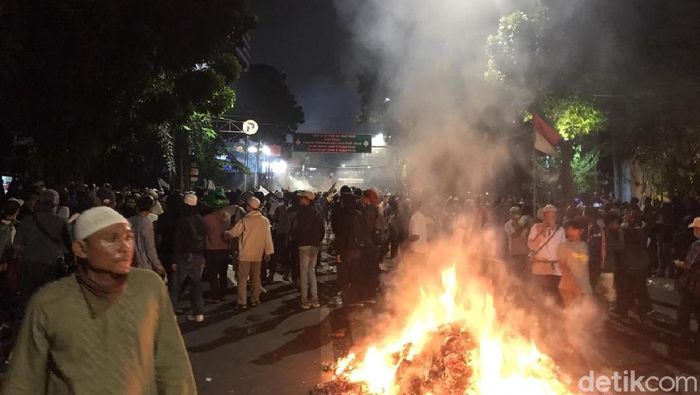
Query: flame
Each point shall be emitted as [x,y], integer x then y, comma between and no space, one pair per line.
[502,362]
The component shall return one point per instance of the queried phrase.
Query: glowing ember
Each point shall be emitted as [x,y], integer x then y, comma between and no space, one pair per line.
[453,342]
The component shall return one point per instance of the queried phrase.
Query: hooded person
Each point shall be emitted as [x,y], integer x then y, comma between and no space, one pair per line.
[107,327]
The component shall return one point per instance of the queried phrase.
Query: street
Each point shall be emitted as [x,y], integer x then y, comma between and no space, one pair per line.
[274,348]
[277,348]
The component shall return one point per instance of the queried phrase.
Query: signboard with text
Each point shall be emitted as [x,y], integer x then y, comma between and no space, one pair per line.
[335,143]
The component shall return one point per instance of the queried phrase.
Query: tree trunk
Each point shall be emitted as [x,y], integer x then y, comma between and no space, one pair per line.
[565,185]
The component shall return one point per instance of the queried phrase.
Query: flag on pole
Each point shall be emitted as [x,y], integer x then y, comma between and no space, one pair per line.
[546,137]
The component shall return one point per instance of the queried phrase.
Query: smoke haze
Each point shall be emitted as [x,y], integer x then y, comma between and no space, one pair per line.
[430,56]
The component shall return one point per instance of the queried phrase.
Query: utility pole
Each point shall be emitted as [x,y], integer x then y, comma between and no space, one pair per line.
[245,174]
[257,165]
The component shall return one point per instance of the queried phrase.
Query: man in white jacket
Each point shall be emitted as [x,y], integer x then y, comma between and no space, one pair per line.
[255,246]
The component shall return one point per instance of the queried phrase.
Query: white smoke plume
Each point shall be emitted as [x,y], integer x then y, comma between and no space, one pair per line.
[430,56]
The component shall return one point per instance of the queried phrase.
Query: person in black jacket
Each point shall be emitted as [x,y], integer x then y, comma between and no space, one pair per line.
[309,230]
[188,255]
[166,231]
[348,228]
[633,269]
[376,230]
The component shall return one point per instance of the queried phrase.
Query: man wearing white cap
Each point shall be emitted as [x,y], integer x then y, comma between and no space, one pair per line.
[690,286]
[189,247]
[255,245]
[543,242]
[107,328]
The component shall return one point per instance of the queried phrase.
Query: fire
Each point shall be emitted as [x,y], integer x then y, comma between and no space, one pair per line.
[499,361]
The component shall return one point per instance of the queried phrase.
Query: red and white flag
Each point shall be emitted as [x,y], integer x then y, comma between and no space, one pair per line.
[546,137]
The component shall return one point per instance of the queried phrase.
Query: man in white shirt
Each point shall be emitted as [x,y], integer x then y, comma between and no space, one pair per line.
[543,241]
[418,233]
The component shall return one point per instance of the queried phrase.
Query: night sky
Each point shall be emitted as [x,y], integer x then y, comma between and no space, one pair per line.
[306,40]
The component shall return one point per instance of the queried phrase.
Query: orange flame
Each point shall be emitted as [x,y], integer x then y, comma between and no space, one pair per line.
[503,361]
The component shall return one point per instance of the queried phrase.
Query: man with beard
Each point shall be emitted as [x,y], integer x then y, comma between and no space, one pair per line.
[108,328]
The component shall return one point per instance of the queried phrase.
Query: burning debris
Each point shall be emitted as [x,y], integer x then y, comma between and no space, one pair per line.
[450,345]
[443,367]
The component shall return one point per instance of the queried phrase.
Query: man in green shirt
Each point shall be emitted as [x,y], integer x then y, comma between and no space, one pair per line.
[107,329]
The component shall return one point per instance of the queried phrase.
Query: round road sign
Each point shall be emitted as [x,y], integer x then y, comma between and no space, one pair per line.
[250,127]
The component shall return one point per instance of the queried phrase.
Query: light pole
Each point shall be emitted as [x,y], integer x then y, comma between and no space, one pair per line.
[249,128]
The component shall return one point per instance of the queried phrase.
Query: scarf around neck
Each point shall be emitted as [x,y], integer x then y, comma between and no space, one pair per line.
[109,290]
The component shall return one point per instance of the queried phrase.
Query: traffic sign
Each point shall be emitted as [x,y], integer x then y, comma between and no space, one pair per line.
[250,127]
[338,143]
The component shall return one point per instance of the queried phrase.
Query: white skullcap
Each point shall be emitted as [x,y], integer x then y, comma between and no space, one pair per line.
[254,203]
[18,201]
[190,199]
[96,219]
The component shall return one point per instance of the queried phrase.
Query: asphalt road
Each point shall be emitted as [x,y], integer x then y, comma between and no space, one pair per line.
[277,348]
[274,348]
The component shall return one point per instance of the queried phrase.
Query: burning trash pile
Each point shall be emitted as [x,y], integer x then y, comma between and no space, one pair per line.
[453,343]
[443,367]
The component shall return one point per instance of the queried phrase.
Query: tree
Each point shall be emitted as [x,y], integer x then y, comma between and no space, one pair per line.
[640,60]
[86,79]
[263,95]
[519,56]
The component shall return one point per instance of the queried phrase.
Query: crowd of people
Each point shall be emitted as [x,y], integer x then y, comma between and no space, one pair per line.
[95,241]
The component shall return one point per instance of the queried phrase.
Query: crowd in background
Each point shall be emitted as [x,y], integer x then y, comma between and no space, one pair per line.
[599,248]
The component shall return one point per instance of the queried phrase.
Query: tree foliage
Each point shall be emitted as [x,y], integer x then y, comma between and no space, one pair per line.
[584,167]
[81,77]
[574,116]
[512,50]
[263,95]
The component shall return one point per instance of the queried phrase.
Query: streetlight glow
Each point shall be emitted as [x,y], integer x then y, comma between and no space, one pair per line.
[278,166]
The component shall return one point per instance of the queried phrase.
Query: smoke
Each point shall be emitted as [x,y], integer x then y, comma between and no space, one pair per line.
[430,58]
